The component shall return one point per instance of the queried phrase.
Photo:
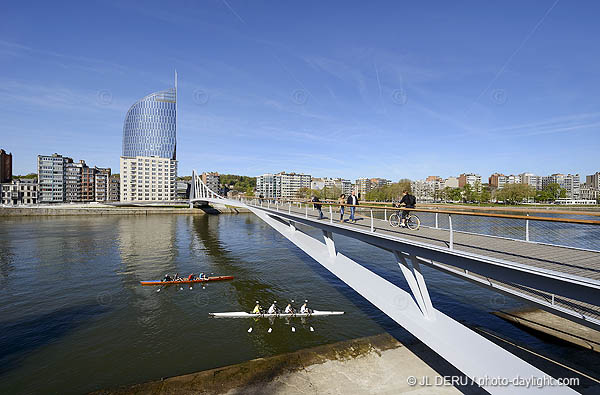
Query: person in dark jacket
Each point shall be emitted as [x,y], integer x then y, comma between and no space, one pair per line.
[353,201]
[408,201]
[318,206]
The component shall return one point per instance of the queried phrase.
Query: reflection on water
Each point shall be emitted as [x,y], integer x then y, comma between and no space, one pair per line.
[74,317]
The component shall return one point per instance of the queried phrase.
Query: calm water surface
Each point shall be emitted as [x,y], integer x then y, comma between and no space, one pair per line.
[73,317]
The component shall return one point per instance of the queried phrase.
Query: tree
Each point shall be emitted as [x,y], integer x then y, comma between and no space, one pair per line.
[515,193]
[485,195]
[454,194]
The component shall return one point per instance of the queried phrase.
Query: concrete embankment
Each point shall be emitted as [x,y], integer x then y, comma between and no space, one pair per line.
[552,325]
[109,210]
[378,364]
[58,211]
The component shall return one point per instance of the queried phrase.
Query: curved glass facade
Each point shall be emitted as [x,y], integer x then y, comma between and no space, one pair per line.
[150,126]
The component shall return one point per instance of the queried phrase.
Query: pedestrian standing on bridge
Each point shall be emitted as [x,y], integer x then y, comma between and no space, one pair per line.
[341,202]
[318,206]
[353,201]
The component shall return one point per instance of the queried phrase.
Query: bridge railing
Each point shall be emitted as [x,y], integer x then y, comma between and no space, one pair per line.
[556,227]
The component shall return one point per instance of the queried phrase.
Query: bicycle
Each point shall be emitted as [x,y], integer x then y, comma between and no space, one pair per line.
[412,221]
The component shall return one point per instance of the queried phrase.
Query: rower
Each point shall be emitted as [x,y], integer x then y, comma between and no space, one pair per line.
[304,309]
[273,308]
[257,308]
[191,277]
[176,277]
[289,309]
[201,276]
[167,277]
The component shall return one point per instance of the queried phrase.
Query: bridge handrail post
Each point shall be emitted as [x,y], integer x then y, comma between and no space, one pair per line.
[290,208]
[306,214]
[451,232]
[385,214]
[527,229]
[330,215]
[372,229]
[436,220]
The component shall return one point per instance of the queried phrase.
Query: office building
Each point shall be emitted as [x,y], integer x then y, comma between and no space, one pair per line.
[19,192]
[51,178]
[148,164]
[5,166]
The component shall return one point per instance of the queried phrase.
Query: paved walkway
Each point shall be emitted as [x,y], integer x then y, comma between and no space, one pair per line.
[573,261]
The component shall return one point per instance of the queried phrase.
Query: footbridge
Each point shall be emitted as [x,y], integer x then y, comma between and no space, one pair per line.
[519,254]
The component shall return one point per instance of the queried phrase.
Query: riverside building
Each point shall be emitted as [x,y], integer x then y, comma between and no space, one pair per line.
[148,164]
[19,191]
[51,178]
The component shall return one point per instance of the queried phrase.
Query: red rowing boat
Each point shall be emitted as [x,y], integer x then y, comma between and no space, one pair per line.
[198,280]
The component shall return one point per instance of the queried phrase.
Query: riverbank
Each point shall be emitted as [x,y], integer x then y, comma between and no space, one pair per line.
[376,364]
[111,210]
[549,324]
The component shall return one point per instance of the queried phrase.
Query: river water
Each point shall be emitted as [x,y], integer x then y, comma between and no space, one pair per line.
[74,318]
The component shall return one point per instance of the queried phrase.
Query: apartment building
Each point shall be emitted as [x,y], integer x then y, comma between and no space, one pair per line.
[292,182]
[531,180]
[469,178]
[268,186]
[569,182]
[497,180]
[593,181]
[102,185]
[362,187]
[114,188]
[51,178]
[73,173]
[345,186]
[212,180]
[451,182]
[148,179]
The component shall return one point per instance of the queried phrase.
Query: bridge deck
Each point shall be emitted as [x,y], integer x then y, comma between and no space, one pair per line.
[573,261]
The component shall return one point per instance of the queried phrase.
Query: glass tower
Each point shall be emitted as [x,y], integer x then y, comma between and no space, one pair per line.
[151,125]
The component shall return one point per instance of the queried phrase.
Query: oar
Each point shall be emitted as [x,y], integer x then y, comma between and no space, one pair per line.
[250,330]
[270,330]
[312,329]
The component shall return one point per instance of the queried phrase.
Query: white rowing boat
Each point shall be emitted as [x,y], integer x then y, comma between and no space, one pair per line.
[242,314]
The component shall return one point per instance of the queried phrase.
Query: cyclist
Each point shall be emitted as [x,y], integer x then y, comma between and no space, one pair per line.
[408,201]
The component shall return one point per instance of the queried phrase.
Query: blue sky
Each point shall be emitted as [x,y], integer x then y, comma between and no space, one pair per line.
[343,89]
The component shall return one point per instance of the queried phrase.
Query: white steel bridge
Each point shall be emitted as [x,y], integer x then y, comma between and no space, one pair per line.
[564,280]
